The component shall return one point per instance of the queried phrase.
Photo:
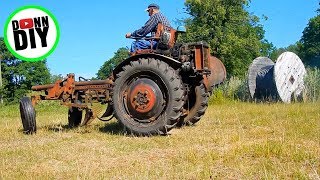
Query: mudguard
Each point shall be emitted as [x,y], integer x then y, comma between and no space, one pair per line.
[218,74]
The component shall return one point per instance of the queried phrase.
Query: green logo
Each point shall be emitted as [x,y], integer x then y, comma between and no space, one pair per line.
[31,33]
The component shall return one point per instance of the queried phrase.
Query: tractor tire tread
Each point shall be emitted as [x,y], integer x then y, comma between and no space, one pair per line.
[177,95]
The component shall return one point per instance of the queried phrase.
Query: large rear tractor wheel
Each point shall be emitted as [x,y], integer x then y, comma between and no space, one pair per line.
[148,97]
[28,116]
[195,106]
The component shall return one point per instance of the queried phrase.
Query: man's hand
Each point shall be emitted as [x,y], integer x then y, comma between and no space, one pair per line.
[128,35]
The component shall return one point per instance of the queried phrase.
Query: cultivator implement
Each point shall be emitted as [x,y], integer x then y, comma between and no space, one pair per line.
[78,96]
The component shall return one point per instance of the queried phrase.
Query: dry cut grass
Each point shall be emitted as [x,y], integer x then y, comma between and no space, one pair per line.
[232,141]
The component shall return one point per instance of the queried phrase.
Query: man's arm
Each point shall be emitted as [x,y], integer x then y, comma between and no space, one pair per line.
[147,28]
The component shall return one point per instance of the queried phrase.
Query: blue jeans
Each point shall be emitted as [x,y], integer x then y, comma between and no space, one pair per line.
[142,44]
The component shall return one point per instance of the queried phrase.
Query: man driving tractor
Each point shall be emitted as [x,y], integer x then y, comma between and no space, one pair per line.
[150,26]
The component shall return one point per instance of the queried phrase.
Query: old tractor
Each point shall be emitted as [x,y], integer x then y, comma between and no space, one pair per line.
[149,93]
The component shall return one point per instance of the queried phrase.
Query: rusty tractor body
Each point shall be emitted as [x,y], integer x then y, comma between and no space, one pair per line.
[149,93]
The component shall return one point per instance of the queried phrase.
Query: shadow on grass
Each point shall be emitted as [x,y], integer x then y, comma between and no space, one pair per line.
[113,128]
[58,128]
[67,128]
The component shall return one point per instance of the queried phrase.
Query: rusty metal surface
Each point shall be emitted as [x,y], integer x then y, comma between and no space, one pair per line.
[81,83]
[89,117]
[161,29]
[35,100]
[198,58]
[218,72]
[144,99]
[202,57]
[97,87]
[76,94]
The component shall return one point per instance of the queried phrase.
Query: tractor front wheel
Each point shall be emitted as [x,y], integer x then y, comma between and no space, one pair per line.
[195,106]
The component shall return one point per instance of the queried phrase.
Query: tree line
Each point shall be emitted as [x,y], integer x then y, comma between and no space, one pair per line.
[235,36]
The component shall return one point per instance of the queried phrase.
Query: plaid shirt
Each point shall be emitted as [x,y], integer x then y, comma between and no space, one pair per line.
[151,25]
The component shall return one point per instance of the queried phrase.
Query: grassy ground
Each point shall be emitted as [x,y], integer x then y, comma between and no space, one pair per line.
[232,141]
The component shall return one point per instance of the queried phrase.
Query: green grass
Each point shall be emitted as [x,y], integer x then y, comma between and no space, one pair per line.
[232,141]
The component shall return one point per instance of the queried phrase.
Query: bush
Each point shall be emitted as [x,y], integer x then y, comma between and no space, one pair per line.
[234,89]
[312,85]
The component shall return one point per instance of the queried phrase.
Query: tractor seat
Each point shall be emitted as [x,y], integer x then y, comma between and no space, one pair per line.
[166,38]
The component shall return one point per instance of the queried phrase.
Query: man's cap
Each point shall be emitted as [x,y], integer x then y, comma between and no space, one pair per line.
[155,6]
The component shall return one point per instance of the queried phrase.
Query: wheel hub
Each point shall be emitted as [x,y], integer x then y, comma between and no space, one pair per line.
[142,98]
[145,99]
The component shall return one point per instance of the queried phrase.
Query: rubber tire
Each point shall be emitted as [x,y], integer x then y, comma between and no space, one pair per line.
[74,117]
[198,108]
[28,116]
[174,101]
[210,89]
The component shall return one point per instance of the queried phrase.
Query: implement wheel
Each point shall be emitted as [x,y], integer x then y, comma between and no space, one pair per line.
[28,116]
[74,117]
[148,97]
[196,105]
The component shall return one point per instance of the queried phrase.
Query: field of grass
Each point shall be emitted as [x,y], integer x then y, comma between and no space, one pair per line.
[233,141]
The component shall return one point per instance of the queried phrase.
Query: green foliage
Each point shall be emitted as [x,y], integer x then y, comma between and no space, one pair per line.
[310,43]
[234,89]
[18,76]
[292,48]
[235,36]
[312,85]
[54,78]
[217,97]
[107,68]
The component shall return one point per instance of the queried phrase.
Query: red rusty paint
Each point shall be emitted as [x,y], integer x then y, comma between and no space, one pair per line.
[142,98]
[218,72]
